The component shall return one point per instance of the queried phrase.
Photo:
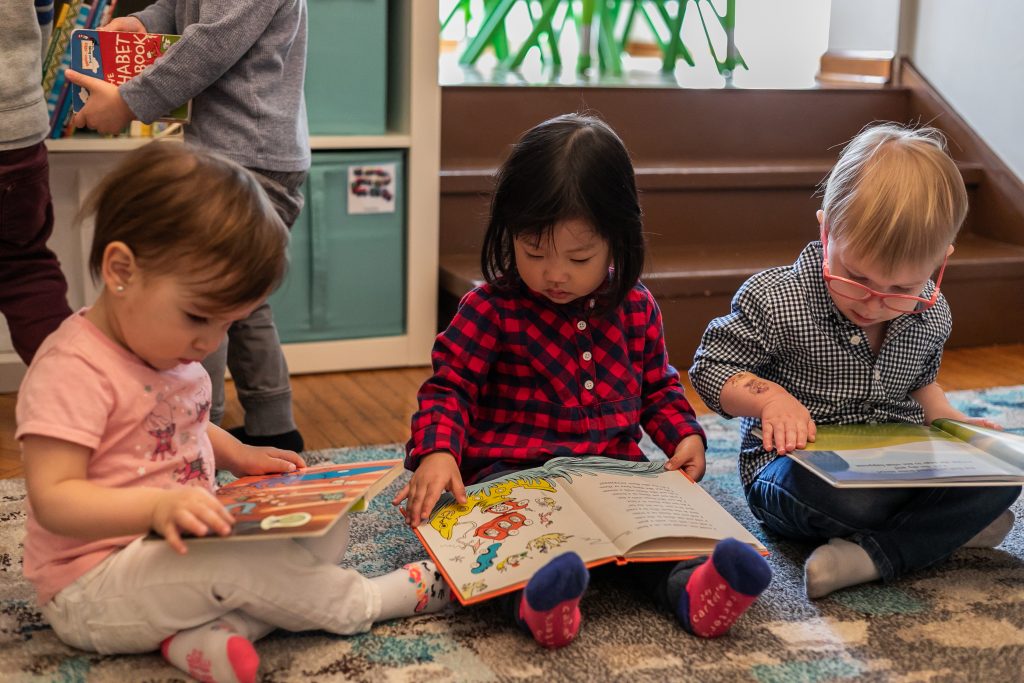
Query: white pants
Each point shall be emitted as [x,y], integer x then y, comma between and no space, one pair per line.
[146,592]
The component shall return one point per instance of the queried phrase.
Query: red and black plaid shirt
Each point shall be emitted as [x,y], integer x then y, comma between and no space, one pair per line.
[519,380]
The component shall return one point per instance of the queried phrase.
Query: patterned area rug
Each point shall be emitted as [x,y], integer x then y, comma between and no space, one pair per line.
[961,621]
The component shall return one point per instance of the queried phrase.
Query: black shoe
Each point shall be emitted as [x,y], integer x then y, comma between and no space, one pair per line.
[288,441]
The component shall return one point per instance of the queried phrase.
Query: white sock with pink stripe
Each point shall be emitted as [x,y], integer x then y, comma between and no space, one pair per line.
[213,653]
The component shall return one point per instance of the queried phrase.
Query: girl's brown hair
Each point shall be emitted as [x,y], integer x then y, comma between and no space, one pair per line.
[895,196]
[195,214]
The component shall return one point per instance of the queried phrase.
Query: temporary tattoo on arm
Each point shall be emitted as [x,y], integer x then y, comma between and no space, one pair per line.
[752,383]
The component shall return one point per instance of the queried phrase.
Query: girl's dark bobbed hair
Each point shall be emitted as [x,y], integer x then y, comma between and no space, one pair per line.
[573,166]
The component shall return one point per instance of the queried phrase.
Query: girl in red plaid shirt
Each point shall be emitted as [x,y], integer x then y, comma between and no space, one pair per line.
[562,353]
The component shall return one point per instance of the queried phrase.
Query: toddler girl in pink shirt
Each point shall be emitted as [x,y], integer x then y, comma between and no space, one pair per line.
[116,440]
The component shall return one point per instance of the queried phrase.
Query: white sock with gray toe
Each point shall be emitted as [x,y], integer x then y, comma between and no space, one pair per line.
[835,565]
[994,533]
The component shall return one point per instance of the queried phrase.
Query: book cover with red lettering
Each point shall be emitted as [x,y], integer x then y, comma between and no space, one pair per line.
[116,57]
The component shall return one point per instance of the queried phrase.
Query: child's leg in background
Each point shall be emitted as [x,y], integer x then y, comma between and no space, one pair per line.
[33,292]
[706,595]
[253,351]
[888,532]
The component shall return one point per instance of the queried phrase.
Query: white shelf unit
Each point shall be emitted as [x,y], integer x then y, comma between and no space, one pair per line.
[414,124]
[78,163]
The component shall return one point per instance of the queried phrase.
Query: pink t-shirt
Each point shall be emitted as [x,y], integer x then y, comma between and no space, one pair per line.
[145,428]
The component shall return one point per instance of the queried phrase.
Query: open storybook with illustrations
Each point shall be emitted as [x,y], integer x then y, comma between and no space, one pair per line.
[948,453]
[117,57]
[303,503]
[605,510]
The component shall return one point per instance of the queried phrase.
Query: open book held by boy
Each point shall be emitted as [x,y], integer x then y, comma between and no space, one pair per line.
[947,453]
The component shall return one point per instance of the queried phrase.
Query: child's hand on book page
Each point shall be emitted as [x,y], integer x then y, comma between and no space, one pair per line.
[982,422]
[689,457]
[786,424]
[437,472]
[261,460]
[188,508]
[241,459]
[105,111]
[129,24]
[976,421]
[936,406]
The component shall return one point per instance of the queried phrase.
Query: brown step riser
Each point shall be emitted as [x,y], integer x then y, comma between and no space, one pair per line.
[478,124]
[697,217]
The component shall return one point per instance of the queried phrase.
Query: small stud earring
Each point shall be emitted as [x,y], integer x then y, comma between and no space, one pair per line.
[120,288]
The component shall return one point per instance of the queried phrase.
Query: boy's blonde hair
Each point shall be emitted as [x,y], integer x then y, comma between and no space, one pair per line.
[895,196]
[194,214]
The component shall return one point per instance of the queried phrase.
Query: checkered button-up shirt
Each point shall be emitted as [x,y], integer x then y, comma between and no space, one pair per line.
[784,327]
[519,380]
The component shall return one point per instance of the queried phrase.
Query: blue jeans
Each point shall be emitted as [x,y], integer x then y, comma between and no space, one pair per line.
[901,529]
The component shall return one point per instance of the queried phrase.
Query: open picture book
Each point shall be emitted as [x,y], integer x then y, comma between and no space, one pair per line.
[303,503]
[949,453]
[117,57]
[605,510]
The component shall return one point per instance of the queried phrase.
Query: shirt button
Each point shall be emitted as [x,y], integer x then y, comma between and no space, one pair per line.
[855,339]
[587,355]
[589,384]
[878,373]
[593,302]
[581,325]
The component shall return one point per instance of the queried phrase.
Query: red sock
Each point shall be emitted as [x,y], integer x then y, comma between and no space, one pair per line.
[553,628]
[555,591]
[711,603]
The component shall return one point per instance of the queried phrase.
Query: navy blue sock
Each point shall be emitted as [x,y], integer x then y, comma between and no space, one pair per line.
[549,606]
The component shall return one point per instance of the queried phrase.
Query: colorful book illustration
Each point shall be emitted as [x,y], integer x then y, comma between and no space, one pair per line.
[605,510]
[949,453]
[305,502]
[117,57]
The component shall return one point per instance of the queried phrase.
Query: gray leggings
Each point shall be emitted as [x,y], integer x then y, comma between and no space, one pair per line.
[252,349]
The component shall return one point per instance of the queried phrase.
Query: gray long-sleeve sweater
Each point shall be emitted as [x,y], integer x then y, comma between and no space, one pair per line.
[242,64]
[23,119]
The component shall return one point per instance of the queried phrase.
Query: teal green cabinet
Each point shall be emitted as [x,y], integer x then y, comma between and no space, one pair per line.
[346,276]
[347,67]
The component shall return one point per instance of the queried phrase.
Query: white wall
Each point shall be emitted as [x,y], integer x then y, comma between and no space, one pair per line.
[864,25]
[971,52]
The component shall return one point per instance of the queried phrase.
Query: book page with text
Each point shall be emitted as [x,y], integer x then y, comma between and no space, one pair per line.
[659,513]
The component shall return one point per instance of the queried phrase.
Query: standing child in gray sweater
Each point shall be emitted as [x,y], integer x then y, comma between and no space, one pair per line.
[242,64]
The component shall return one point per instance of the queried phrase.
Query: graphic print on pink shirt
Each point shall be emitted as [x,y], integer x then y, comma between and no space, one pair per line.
[160,425]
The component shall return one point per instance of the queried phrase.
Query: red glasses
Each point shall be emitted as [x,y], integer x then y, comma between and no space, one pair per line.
[902,303]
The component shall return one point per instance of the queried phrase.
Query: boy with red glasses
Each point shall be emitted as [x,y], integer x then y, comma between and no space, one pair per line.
[853,333]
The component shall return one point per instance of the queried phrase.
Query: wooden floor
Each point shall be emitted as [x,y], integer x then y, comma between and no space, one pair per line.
[357,408]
